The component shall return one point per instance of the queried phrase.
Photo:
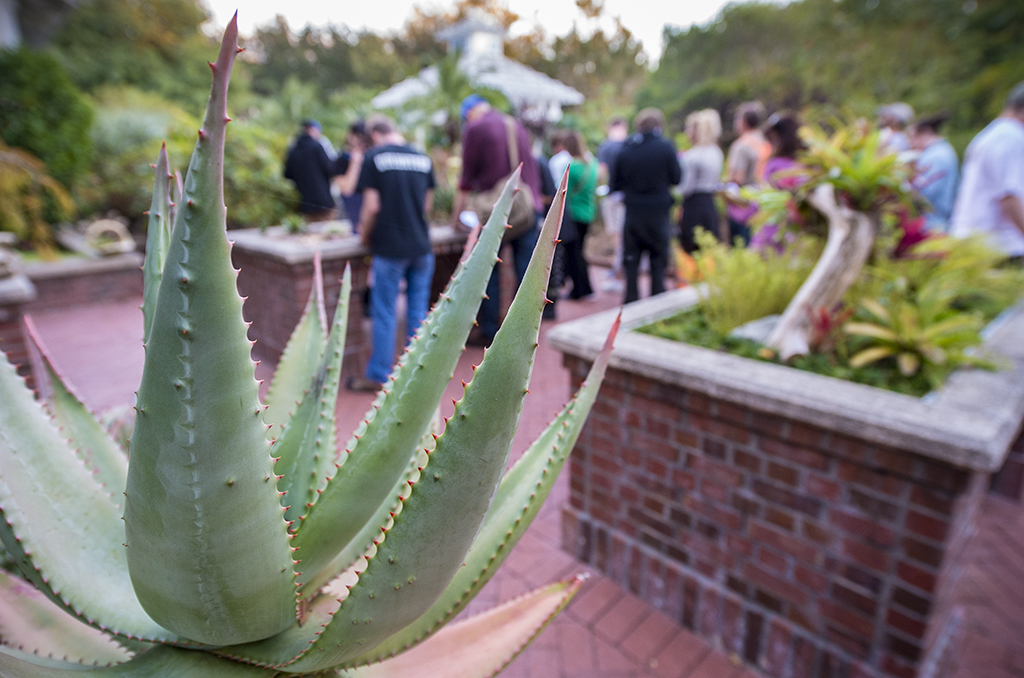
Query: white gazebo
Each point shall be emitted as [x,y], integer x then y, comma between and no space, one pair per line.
[480,42]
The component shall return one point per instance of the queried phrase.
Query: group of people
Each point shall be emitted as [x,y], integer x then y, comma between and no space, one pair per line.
[387,187]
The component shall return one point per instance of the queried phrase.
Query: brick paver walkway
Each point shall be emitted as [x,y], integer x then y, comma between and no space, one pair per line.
[606,632]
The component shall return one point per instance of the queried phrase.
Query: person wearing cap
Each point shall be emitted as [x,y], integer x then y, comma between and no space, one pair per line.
[938,171]
[485,162]
[892,121]
[310,168]
[991,195]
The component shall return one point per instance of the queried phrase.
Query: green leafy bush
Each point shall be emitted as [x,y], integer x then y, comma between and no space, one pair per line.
[129,123]
[742,284]
[42,112]
[27,193]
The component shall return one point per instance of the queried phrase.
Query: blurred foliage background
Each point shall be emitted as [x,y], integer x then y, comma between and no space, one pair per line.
[118,77]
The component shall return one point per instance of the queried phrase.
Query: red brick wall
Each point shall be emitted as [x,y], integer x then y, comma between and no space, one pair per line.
[801,551]
[12,340]
[85,288]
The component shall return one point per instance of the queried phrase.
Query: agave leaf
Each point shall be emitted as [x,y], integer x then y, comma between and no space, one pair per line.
[298,365]
[479,647]
[870,355]
[32,623]
[445,509]
[520,496]
[97,450]
[157,239]
[307,447]
[401,416]
[430,536]
[163,661]
[207,544]
[59,524]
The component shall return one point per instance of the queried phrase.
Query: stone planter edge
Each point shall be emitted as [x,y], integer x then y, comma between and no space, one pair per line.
[970,422]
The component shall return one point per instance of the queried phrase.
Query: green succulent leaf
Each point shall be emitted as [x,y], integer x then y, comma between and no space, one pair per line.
[30,622]
[157,239]
[382,453]
[307,447]
[520,496]
[162,661]
[207,543]
[59,524]
[301,357]
[94,446]
[479,647]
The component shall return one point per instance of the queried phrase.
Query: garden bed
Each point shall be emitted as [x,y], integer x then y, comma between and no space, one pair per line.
[800,521]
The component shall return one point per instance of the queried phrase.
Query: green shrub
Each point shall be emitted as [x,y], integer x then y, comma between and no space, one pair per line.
[42,112]
[129,125]
[744,284]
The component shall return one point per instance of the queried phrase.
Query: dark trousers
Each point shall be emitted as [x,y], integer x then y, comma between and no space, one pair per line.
[645,232]
[490,307]
[698,211]
[575,264]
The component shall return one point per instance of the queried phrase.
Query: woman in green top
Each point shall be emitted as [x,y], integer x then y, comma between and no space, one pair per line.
[580,209]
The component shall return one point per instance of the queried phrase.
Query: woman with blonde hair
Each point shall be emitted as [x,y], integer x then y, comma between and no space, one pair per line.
[702,176]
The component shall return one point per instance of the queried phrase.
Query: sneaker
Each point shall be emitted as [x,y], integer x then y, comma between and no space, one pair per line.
[362,384]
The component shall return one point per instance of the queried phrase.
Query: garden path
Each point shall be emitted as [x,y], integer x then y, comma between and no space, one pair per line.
[606,632]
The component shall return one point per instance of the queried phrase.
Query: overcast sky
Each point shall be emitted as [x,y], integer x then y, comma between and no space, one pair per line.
[645,18]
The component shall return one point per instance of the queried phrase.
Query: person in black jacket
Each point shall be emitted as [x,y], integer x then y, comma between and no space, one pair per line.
[644,171]
[310,169]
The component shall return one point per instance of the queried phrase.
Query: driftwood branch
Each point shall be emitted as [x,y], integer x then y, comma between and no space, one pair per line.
[851,236]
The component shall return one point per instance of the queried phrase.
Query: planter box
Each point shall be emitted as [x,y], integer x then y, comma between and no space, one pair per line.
[276,276]
[808,525]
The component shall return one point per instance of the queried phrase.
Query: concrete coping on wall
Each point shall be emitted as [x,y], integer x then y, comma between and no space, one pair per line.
[16,290]
[970,422]
[67,267]
[298,248]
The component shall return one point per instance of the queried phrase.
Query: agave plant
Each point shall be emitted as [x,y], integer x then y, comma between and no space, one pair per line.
[234,540]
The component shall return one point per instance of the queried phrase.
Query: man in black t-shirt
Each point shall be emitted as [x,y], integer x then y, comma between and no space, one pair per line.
[397,183]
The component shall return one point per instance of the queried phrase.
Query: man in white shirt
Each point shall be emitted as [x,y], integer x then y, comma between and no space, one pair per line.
[991,195]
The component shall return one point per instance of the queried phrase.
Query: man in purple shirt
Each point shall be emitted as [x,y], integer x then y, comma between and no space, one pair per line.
[485,162]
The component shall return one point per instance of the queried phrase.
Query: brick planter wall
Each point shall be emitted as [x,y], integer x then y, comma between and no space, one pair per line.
[809,527]
[15,292]
[276,276]
[79,281]
[802,551]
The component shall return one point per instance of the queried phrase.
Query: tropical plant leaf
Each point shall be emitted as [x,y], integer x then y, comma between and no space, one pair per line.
[301,357]
[870,330]
[479,647]
[870,355]
[207,543]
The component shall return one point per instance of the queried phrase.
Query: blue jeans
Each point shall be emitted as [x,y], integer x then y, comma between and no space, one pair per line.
[388,273]
[490,308]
